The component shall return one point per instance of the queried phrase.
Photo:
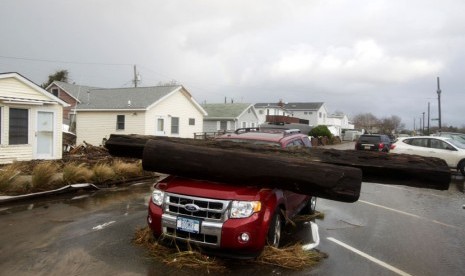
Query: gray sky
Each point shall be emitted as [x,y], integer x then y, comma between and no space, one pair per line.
[357,56]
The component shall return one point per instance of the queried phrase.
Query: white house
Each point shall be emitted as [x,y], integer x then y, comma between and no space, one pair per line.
[271,109]
[315,113]
[30,121]
[229,116]
[338,122]
[159,110]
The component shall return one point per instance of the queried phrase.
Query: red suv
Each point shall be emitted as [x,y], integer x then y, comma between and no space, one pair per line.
[236,221]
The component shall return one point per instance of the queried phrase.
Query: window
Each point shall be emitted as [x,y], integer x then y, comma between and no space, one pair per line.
[191,121]
[224,125]
[160,124]
[419,142]
[55,92]
[120,122]
[260,112]
[19,126]
[319,114]
[437,144]
[174,125]
[305,113]
[244,124]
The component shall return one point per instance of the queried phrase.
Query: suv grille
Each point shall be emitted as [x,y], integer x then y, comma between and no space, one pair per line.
[211,212]
[205,208]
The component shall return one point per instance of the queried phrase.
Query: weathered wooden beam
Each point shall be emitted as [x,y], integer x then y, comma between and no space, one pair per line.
[245,168]
[378,167]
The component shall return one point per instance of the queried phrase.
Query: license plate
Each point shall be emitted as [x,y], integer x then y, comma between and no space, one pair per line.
[188,225]
[367,147]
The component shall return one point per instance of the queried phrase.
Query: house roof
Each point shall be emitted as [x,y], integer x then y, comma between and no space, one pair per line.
[78,92]
[51,99]
[303,106]
[225,111]
[262,105]
[135,98]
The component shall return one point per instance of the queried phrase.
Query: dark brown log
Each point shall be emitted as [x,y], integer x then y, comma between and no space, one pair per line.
[393,169]
[245,168]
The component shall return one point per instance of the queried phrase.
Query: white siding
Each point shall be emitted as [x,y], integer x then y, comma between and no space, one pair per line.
[176,105]
[249,117]
[11,87]
[92,127]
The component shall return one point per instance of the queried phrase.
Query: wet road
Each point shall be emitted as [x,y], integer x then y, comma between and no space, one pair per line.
[391,230]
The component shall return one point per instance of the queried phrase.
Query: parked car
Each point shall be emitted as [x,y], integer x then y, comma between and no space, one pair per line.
[452,151]
[226,219]
[454,135]
[373,142]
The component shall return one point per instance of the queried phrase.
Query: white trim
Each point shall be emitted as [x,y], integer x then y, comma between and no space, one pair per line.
[33,86]
[36,155]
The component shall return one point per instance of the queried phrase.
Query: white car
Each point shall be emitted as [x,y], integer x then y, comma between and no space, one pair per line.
[448,149]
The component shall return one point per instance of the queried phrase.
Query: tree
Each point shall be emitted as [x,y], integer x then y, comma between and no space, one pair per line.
[366,121]
[60,75]
[390,124]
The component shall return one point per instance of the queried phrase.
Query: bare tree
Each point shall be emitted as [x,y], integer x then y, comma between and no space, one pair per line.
[366,121]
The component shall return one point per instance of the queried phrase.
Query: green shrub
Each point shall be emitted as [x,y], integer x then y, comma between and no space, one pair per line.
[320,131]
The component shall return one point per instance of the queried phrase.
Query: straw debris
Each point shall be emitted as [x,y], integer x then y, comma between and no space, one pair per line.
[290,257]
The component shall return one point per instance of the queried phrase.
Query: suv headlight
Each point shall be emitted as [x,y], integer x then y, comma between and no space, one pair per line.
[157,197]
[244,209]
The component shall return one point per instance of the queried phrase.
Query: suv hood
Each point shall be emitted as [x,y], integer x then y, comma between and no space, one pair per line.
[203,188]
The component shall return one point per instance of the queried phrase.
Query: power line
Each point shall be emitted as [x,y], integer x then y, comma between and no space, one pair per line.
[66,62]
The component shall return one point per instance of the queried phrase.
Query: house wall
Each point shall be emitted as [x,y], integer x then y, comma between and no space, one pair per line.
[210,126]
[263,111]
[93,126]
[248,117]
[175,105]
[12,87]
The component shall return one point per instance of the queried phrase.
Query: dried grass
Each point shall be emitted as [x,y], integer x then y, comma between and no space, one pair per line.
[8,176]
[76,173]
[290,257]
[43,176]
[126,170]
[102,173]
[175,256]
[304,218]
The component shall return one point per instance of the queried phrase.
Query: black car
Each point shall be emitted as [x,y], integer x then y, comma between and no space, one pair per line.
[373,142]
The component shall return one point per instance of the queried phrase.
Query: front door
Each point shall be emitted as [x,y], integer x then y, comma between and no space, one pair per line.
[160,126]
[44,135]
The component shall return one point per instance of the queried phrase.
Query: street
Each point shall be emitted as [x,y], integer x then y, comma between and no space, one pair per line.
[391,230]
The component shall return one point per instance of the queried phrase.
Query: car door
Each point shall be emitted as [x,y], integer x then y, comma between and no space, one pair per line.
[443,150]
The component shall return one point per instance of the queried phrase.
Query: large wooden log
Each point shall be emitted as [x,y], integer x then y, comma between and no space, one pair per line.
[245,168]
[393,169]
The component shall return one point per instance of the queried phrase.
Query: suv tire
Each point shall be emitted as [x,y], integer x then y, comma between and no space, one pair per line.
[310,207]
[276,227]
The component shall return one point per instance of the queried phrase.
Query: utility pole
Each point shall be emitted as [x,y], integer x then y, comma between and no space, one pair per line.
[428,117]
[136,76]
[439,104]
[423,125]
